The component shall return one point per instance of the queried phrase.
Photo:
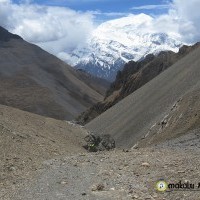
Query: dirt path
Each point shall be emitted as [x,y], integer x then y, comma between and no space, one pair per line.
[117,175]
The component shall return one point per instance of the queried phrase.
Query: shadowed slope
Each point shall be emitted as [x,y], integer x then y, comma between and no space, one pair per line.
[36,81]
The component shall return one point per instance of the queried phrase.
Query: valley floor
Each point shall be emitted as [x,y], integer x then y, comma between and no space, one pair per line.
[127,174]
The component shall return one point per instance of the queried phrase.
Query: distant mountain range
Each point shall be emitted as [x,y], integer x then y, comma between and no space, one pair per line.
[33,80]
[119,41]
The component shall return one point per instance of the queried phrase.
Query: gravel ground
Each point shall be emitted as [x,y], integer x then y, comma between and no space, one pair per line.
[43,159]
[26,140]
[120,174]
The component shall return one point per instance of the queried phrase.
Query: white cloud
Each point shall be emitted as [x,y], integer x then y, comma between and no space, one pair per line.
[60,30]
[56,29]
[181,20]
[151,7]
[188,17]
[4,1]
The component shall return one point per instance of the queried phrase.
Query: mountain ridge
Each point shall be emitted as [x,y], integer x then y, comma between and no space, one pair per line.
[132,77]
[131,118]
[6,36]
[33,80]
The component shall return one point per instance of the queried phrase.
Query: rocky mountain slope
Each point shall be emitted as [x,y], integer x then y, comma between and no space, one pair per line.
[98,84]
[44,158]
[133,76]
[27,139]
[36,81]
[183,117]
[133,117]
[118,41]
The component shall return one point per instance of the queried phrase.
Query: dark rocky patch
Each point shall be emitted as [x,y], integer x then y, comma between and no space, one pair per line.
[99,142]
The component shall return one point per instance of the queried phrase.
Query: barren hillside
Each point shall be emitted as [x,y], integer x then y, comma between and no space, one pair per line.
[132,118]
[36,81]
[26,140]
[133,76]
[43,158]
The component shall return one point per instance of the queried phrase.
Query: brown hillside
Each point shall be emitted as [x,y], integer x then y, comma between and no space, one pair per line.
[36,81]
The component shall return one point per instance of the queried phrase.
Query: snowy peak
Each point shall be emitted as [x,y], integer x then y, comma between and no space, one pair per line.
[118,41]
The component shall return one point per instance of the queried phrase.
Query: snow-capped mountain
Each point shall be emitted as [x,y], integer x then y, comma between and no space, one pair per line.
[118,41]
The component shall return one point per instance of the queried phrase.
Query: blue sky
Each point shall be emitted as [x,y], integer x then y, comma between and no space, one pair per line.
[156,7]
